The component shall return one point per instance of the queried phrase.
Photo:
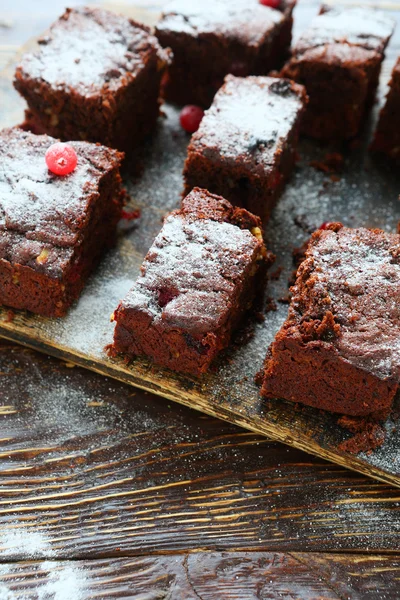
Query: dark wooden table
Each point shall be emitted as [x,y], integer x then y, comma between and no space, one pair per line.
[109,492]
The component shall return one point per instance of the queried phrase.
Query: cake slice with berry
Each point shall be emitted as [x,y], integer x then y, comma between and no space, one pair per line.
[339,348]
[197,282]
[245,147]
[95,76]
[59,207]
[212,38]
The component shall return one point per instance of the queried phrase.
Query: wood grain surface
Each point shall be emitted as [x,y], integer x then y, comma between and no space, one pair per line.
[210,576]
[107,491]
[91,467]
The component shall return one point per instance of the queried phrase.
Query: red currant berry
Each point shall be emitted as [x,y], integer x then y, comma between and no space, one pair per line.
[191,117]
[130,215]
[325,225]
[61,159]
[270,3]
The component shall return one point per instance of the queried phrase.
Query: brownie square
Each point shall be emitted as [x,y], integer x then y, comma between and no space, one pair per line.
[212,38]
[387,134]
[197,281]
[53,229]
[245,147]
[339,347]
[338,59]
[95,76]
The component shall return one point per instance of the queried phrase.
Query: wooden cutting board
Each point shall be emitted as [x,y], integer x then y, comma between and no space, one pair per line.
[365,193]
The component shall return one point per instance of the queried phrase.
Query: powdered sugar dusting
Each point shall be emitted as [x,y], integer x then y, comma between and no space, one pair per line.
[358,26]
[88,49]
[245,20]
[196,264]
[26,542]
[38,204]
[359,271]
[65,581]
[250,118]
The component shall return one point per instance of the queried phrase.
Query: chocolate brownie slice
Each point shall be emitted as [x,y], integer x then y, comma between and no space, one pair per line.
[245,147]
[212,38]
[339,348]
[96,76]
[338,59]
[197,281]
[387,134]
[52,228]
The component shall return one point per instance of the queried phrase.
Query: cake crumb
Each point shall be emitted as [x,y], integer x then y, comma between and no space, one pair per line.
[275,275]
[270,305]
[331,163]
[10,316]
[368,434]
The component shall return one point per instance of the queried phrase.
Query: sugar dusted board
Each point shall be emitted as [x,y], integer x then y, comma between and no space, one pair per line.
[364,194]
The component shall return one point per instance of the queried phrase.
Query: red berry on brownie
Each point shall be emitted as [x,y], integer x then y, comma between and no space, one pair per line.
[326,224]
[191,117]
[61,159]
[270,3]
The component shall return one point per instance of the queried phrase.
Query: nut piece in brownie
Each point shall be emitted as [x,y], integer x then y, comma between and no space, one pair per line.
[245,147]
[96,76]
[339,348]
[212,38]
[53,228]
[338,59]
[387,134]
[197,281]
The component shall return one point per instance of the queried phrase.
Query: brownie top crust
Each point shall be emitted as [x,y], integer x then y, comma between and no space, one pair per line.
[357,26]
[347,293]
[38,207]
[250,118]
[246,21]
[192,270]
[88,49]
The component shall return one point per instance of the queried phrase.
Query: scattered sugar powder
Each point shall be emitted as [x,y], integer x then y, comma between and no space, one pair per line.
[20,541]
[250,21]
[65,581]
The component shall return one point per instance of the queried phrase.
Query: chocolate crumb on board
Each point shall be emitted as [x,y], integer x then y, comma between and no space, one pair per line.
[270,305]
[303,222]
[367,439]
[331,163]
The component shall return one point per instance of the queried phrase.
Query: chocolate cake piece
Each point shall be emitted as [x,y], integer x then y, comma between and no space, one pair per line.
[197,281]
[387,134]
[245,147]
[339,348]
[338,59]
[212,38]
[53,229]
[95,76]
